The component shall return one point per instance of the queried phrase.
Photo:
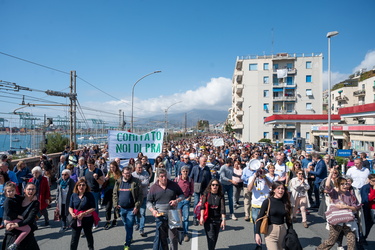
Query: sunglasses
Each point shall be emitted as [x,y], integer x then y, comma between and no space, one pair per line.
[215,185]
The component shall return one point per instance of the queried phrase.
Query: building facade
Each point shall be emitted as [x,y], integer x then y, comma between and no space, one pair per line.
[274,84]
[353,99]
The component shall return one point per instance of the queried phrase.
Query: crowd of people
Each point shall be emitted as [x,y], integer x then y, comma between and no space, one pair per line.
[279,183]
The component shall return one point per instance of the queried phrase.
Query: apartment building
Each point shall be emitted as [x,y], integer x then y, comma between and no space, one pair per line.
[264,85]
[353,99]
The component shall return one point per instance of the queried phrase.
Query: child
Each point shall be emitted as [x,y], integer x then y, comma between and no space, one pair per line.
[12,206]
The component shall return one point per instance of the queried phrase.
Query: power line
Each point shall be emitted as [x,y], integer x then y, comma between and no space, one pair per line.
[63,72]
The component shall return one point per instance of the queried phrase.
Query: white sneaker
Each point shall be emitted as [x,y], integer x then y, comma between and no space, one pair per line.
[340,248]
[234,217]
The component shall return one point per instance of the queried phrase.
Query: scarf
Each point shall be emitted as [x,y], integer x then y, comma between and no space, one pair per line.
[64,183]
[37,182]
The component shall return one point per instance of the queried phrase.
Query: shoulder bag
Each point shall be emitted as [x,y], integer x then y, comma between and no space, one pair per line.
[264,219]
[335,216]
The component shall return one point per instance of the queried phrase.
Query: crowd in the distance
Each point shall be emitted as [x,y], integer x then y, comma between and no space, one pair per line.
[282,184]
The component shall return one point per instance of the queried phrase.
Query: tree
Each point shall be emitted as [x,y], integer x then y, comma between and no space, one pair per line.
[203,125]
[228,128]
[265,140]
[56,143]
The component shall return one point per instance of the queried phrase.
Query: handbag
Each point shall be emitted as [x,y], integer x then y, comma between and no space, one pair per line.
[336,216]
[197,209]
[264,224]
[56,215]
[73,221]
[197,187]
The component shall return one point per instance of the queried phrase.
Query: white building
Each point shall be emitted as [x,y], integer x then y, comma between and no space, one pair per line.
[274,84]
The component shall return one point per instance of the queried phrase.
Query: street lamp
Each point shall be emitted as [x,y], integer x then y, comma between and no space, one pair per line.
[249,124]
[132,117]
[329,35]
[166,115]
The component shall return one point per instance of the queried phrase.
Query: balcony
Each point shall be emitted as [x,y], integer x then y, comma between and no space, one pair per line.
[239,113]
[239,65]
[238,126]
[280,111]
[239,89]
[283,85]
[359,103]
[239,79]
[239,101]
[284,98]
[291,71]
[361,92]
[341,98]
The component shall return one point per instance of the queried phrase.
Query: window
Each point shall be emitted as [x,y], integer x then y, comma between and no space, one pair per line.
[363,86]
[289,80]
[265,106]
[309,106]
[307,136]
[265,135]
[275,80]
[276,135]
[308,65]
[289,135]
[308,78]
[289,65]
[266,66]
[275,66]
[289,107]
[266,79]
[265,93]
[309,92]
[253,66]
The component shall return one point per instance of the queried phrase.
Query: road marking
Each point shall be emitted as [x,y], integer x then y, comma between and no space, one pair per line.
[194,240]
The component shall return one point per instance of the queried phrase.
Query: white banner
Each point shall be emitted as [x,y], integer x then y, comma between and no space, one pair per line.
[218,142]
[123,144]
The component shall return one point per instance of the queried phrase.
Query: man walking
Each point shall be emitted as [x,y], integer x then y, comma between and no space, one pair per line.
[226,174]
[163,196]
[144,178]
[127,197]
[201,175]
[320,172]
[359,173]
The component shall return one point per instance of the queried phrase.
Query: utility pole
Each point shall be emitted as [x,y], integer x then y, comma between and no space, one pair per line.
[73,109]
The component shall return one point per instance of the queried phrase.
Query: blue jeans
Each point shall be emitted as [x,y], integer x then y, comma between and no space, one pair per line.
[142,211]
[229,190]
[127,218]
[162,234]
[197,196]
[184,206]
[254,215]
[317,194]
[96,197]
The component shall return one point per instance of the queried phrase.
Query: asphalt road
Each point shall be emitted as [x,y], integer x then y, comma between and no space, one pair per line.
[237,235]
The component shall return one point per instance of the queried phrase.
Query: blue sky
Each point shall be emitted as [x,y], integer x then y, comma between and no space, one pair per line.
[111,44]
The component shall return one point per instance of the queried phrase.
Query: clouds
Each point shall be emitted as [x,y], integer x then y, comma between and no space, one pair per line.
[368,62]
[336,77]
[214,95]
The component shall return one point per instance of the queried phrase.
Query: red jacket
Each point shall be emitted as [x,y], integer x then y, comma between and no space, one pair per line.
[44,192]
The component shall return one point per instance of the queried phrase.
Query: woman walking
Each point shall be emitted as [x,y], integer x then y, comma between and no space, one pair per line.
[299,187]
[29,209]
[279,214]
[112,176]
[342,199]
[65,186]
[42,191]
[216,212]
[81,209]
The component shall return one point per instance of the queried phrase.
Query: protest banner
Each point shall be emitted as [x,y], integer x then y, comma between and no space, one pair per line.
[124,144]
[218,142]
